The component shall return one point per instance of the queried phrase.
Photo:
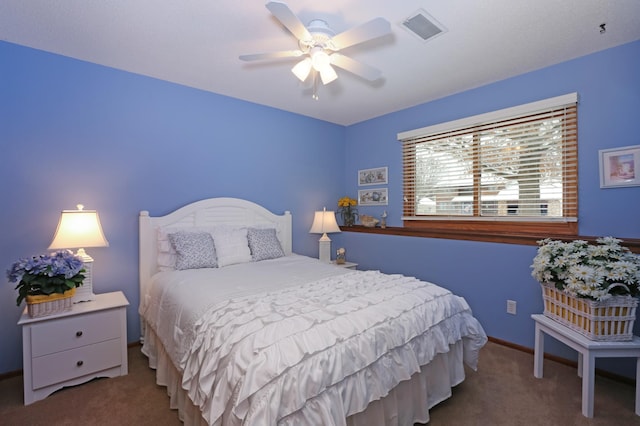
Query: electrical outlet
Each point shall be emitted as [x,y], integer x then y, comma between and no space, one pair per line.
[511,307]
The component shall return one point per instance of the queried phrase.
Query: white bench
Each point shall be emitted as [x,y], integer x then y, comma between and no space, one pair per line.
[588,351]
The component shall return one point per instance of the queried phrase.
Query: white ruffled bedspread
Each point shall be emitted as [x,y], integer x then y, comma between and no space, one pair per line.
[313,353]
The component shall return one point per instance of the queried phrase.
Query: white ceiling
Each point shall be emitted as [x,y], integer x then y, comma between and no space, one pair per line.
[196,43]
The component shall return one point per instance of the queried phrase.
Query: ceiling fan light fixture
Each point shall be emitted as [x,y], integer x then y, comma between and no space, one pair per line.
[328,74]
[319,59]
[321,62]
[302,69]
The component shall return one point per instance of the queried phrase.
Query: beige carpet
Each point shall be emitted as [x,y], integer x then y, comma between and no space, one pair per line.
[502,392]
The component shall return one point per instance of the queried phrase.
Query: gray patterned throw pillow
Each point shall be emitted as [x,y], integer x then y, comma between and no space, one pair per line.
[194,250]
[264,244]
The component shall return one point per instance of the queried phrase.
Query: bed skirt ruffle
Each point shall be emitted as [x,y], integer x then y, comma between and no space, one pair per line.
[406,404]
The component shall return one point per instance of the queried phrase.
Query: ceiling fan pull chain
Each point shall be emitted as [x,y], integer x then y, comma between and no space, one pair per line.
[315,86]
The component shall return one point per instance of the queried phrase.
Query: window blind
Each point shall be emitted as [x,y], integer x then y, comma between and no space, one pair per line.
[516,167]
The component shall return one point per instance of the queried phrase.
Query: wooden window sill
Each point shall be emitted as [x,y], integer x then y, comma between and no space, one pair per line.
[468,235]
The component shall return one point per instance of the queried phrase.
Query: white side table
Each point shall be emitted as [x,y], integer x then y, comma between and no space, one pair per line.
[348,265]
[588,351]
[74,347]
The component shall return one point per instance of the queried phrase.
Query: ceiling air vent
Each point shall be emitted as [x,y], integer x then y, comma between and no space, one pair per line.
[422,25]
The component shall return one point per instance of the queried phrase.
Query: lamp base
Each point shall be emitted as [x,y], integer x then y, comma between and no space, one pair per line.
[325,251]
[84,293]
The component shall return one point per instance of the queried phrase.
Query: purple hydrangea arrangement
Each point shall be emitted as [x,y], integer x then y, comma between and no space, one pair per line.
[46,274]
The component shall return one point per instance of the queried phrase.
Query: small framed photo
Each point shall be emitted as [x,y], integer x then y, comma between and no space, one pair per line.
[619,167]
[373,197]
[377,176]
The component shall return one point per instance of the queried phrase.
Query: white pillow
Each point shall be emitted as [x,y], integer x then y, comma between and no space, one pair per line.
[167,255]
[232,245]
[264,244]
[194,250]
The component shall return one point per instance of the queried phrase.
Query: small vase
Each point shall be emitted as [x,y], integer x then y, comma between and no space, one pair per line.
[348,218]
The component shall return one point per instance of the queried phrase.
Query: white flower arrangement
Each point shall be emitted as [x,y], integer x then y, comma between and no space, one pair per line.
[586,270]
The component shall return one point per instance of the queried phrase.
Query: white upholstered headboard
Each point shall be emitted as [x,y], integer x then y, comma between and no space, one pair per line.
[205,213]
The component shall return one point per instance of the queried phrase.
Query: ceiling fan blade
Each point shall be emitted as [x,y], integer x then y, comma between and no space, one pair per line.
[373,29]
[282,12]
[272,55]
[355,67]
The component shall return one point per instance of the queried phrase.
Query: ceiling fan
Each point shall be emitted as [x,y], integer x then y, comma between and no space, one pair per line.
[319,47]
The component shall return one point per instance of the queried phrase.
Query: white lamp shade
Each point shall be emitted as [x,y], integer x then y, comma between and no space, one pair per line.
[78,229]
[328,74]
[302,69]
[324,222]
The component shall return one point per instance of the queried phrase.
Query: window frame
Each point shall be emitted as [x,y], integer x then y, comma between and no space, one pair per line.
[491,228]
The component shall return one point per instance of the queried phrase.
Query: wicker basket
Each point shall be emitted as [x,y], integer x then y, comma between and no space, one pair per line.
[608,320]
[42,305]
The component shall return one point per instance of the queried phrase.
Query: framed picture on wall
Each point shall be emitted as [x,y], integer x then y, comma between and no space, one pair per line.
[619,167]
[373,197]
[377,176]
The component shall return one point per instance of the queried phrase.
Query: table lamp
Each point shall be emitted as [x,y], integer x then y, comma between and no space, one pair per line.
[324,222]
[79,229]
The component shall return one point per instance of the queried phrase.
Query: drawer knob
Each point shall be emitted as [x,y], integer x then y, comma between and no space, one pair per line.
[79,363]
[78,333]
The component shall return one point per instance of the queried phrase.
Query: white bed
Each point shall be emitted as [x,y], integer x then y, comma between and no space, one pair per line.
[286,339]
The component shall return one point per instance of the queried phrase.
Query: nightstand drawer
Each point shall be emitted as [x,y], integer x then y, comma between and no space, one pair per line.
[73,332]
[67,365]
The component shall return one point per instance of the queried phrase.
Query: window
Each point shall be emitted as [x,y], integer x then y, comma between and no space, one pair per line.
[512,170]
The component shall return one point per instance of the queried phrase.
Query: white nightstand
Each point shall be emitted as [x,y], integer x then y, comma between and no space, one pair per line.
[348,265]
[74,347]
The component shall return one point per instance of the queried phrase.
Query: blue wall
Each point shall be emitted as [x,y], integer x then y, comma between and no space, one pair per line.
[487,274]
[73,132]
